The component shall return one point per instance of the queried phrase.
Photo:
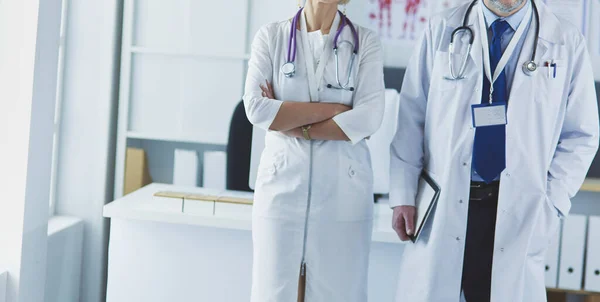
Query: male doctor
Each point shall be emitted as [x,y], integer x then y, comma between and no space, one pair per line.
[508,161]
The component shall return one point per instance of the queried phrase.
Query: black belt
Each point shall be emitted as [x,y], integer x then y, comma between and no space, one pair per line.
[482,191]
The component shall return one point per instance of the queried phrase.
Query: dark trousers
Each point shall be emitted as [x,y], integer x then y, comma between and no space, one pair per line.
[479,243]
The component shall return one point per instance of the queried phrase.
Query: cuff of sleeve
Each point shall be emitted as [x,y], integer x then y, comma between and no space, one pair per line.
[401,197]
[404,181]
[559,196]
[268,114]
[346,126]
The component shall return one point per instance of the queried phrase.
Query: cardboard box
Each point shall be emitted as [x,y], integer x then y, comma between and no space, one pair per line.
[137,174]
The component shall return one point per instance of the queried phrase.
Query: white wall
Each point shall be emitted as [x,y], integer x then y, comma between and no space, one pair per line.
[86,160]
[63,268]
[29,39]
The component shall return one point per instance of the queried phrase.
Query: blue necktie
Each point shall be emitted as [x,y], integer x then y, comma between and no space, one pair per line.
[489,150]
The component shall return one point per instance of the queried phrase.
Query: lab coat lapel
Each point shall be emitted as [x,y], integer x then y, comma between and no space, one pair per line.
[315,77]
[550,34]
[476,51]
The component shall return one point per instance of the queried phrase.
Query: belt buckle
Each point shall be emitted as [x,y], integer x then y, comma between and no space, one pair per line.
[476,186]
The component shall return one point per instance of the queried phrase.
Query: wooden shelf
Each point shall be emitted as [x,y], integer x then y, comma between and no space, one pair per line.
[174,53]
[165,138]
[569,291]
[591,185]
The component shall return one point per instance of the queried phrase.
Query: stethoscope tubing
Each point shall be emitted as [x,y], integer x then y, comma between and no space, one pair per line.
[292,49]
[465,28]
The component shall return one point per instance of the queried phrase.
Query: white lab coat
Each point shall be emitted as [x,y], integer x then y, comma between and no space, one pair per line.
[551,139]
[340,215]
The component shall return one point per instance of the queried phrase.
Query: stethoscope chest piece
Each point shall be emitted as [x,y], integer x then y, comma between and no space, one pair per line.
[529,68]
[288,69]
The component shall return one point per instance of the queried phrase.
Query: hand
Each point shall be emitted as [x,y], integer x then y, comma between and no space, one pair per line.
[404,221]
[267,90]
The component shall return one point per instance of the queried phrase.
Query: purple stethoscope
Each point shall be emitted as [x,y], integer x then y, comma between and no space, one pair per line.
[289,68]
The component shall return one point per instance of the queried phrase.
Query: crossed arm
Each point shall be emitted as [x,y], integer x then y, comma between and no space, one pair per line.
[328,121]
[292,116]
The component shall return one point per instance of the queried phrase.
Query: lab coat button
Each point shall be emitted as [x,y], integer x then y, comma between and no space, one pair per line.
[465,164]
[502,249]
[457,238]
[351,172]
[460,201]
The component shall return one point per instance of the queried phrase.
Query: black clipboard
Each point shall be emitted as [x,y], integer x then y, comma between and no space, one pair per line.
[428,194]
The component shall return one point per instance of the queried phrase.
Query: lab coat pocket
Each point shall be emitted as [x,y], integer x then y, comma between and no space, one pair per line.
[355,190]
[546,227]
[550,82]
[270,165]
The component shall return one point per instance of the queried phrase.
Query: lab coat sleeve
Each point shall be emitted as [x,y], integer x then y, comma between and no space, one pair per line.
[366,115]
[407,151]
[261,111]
[578,141]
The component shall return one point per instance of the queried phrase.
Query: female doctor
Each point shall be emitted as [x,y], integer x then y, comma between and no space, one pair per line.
[316,83]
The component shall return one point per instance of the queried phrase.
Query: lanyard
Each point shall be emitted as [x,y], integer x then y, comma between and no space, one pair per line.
[507,53]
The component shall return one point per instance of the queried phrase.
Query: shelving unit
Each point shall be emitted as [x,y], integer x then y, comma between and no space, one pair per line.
[591,185]
[560,295]
[172,53]
[182,74]
[163,137]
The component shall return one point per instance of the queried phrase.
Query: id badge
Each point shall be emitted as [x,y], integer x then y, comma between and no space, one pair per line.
[485,115]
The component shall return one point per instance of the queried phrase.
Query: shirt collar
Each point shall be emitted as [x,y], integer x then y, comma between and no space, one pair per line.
[514,20]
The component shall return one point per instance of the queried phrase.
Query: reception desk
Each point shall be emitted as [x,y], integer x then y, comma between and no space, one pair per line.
[161,249]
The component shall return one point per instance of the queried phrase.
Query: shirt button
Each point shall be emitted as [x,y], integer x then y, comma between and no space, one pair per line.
[502,249]
[460,201]
[465,164]
[351,172]
[457,238]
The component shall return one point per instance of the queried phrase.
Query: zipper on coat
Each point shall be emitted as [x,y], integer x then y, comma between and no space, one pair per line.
[310,170]
[302,283]
[302,279]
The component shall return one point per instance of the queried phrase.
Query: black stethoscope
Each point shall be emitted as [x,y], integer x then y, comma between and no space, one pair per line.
[529,67]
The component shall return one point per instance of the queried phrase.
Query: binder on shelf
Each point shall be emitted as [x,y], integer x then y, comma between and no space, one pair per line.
[572,247]
[185,168]
[551,261]
[214,170]
[137,174]
[592,267]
